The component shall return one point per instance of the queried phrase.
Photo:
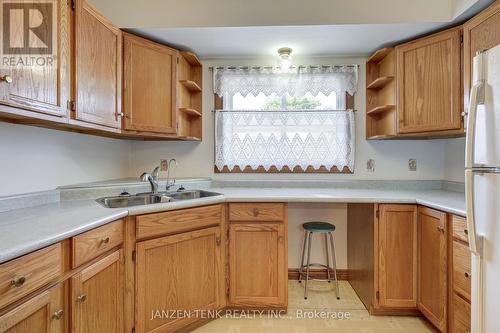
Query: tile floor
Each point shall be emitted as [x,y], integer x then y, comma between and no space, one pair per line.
[321,302]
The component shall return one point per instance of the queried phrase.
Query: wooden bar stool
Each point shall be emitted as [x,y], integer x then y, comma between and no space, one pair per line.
[327,230]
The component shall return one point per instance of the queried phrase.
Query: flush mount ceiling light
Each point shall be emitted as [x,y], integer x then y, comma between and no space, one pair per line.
[285,58]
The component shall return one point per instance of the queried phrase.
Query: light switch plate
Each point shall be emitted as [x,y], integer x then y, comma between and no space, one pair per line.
[412,164]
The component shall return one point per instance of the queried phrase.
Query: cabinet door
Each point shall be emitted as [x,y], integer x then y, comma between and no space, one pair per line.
[397,256]
[432,267]
[43,313]
[429,94]
[180,272]
[149,78]
[96,297]
[40,72]
[258,269]
[482,32]
[98,61]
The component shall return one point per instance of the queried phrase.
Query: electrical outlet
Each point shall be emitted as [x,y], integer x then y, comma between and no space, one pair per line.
[412,164]
[164,165]
[370,165]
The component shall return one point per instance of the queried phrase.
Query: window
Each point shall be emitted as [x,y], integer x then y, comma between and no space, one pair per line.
[285,122]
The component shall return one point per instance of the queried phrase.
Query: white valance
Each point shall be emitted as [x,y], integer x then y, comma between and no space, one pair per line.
[284,138]
[295,82]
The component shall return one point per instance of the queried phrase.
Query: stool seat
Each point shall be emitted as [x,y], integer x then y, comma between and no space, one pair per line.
[318,227]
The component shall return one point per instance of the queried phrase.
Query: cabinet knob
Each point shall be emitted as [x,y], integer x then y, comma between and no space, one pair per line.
[81,298]
[440,228]
[18,282]
[466,231]
[467,275]
[6,78]
[280,239]
[104,240]
[120,114]
[255,212]
[217,240]
[58,314]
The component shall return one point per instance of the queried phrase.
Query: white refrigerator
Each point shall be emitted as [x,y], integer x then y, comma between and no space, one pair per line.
[482,185]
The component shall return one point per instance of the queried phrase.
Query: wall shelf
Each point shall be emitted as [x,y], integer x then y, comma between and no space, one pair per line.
[191,58]
[190,111]
[380,82]
[380,109]
[379,55]
[191,85]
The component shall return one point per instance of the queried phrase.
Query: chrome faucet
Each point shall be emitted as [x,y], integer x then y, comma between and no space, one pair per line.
[152,179]
[170,184]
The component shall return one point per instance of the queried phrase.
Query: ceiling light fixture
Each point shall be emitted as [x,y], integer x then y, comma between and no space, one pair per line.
[285,58]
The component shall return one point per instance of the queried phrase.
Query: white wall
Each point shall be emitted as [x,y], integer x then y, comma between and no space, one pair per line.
[391,157]
[35,159]
[454,160]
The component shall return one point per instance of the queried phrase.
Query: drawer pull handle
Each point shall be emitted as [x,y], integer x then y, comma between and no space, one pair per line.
[18,282]
[467,275]
[466,231]
[104,240]
[58,314]
[82,298]
[6,78]
[255,212]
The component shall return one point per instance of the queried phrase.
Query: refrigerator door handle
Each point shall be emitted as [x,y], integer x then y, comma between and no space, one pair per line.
[476,99]
[475,240]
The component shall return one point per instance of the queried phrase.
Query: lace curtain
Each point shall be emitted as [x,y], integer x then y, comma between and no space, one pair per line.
[308,138]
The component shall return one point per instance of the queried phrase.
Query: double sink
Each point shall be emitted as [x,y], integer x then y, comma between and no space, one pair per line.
[140,199]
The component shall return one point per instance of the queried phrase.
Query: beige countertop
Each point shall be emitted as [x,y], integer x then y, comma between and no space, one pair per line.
[25,230]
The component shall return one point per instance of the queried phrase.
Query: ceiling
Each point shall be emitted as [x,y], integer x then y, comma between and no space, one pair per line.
[242,28]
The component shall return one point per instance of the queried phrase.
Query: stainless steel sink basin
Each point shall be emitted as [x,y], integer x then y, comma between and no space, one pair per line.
[189,195]
[133,200]
[150,198]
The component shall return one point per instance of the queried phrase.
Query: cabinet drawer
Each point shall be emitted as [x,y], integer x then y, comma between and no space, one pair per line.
[461,315]
[91,244]
[460,228]
[268,212]
[461,269]
[177,221]
[24,275]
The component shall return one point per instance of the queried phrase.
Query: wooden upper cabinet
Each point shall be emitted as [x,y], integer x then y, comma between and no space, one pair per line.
[178,272]
[97,67]
[432,266]
[397,256]
[97,296]
[258,265]
[482,32]
[38,78]
[150,80]
[429,92]
[44,313]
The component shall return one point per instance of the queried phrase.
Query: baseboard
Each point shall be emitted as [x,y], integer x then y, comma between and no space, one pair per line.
[342,274]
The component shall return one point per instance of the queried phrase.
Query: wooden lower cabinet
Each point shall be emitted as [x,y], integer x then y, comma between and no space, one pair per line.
[44,313]
[97,296]
[258,265]
[397,256]
[461,315]
[432,265]
[180,272]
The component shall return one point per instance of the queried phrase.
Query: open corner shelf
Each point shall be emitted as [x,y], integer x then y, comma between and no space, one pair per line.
[191,85]
[380,109]
[379,55]
[190,112]
[380,82]
[191,58]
